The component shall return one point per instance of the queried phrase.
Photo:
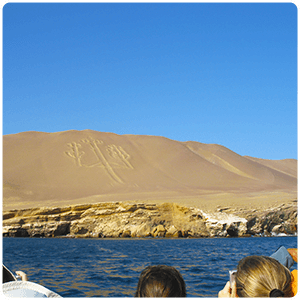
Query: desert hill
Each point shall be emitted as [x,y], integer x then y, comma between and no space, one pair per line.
[72,167]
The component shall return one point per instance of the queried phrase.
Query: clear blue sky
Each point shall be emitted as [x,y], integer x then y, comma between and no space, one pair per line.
[212,73]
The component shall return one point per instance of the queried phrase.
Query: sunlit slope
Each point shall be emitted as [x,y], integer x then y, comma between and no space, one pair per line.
[277,173]
[76,164]
[287,166]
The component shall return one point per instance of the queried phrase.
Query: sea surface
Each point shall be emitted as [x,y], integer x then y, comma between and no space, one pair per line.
[111,267]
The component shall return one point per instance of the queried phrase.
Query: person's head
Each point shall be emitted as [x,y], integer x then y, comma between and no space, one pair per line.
[262,276]
[160,281]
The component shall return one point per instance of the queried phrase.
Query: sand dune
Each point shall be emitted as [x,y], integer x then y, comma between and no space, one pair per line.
[78,166]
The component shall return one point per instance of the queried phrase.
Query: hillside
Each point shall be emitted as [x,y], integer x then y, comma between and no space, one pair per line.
[73,167]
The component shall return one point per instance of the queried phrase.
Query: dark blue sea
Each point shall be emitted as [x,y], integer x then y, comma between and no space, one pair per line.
[111,267]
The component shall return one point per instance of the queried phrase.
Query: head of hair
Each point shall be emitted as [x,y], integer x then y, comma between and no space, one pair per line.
[258,276]
[160,281]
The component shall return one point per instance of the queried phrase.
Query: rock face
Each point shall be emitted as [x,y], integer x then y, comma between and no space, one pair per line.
[125,220]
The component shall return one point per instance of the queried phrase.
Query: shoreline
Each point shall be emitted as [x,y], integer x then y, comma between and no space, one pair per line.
[155,238]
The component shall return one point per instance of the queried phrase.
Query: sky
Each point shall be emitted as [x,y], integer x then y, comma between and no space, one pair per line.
[208,72]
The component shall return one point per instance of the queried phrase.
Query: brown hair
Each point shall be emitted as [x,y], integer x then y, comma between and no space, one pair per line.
[160,281]
[258,276]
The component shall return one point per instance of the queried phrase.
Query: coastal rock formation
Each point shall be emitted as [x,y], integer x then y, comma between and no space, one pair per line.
[140,220]
[281,220]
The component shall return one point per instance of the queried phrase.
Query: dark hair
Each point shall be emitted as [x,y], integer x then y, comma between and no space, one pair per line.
[160,281]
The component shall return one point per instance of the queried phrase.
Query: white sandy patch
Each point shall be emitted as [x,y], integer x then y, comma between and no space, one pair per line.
[222,218]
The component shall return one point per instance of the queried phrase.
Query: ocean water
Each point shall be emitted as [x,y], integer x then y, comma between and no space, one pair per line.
[111,267]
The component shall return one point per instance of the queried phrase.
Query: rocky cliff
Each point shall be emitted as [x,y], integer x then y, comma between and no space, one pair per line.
[139,220]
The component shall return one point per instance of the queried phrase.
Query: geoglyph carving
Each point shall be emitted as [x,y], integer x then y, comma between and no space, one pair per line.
[118,153]
[75,152]
[93,155]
